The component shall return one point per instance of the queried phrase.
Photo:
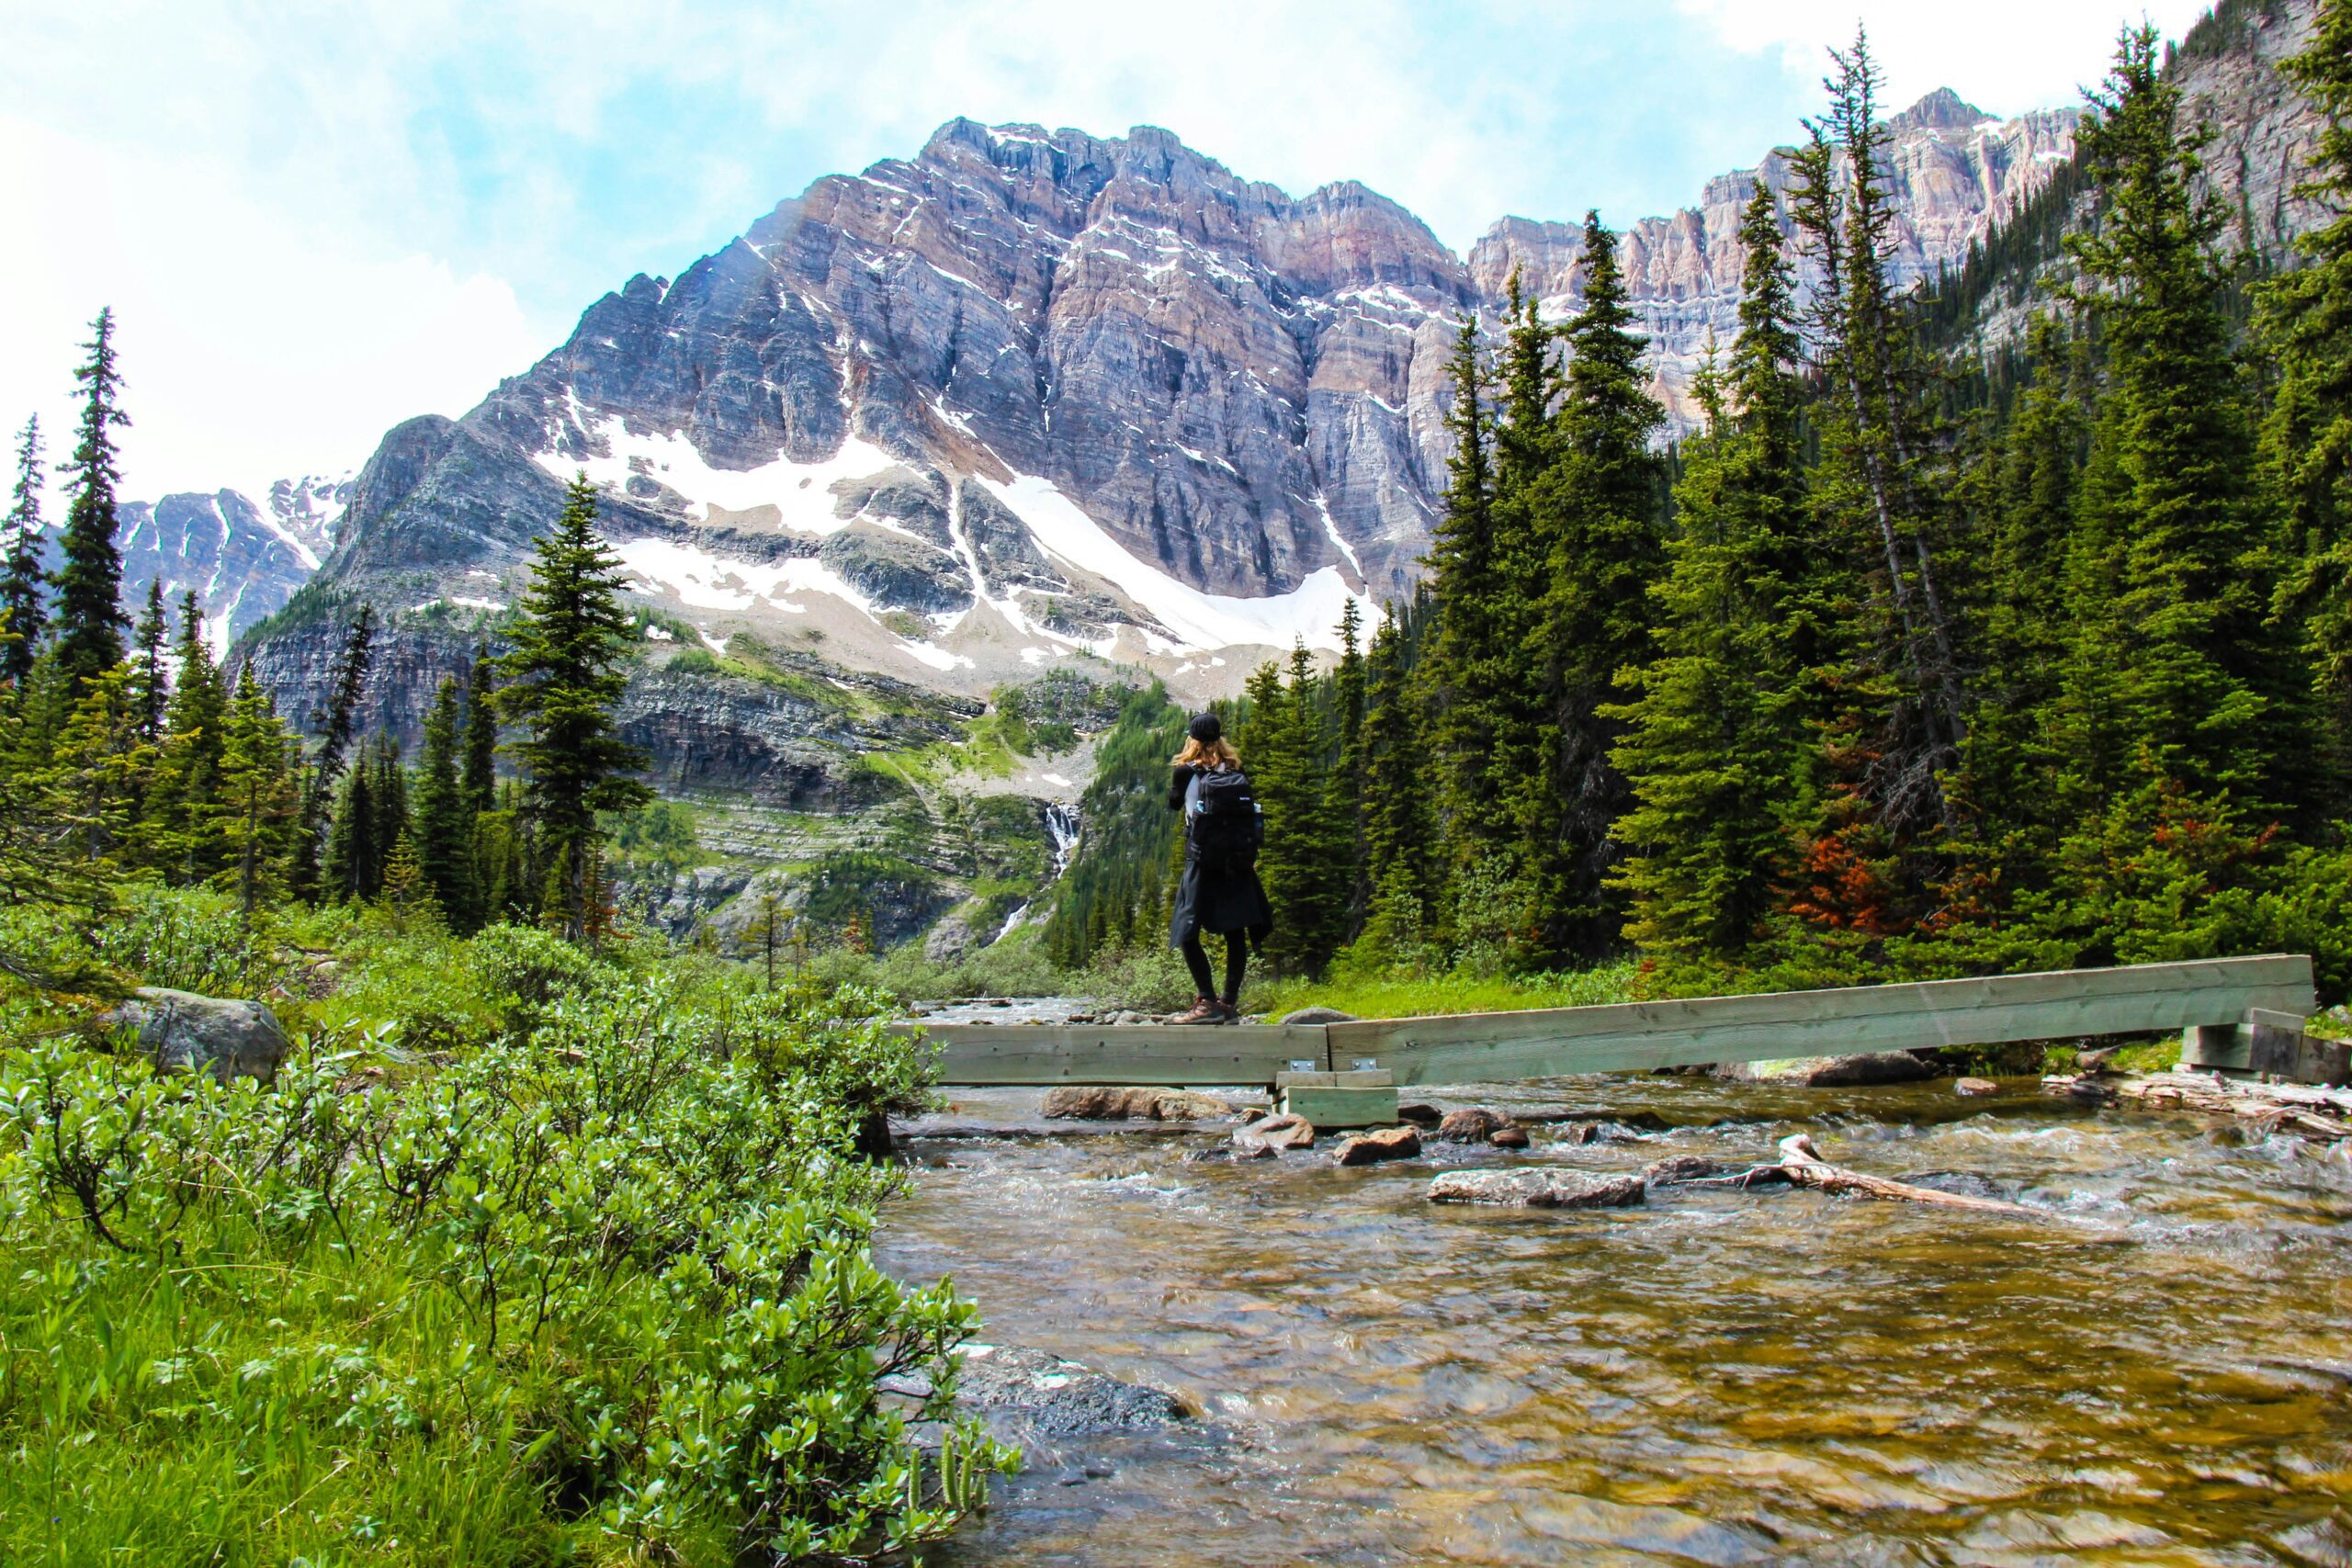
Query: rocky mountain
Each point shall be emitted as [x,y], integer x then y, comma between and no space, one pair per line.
[1030,395]
[243,558]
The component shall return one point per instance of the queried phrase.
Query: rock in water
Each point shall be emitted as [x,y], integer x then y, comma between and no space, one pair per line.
[1318,1015]
[1093,1104]
[1421,1115]
[1473,1125]
[1537,1187]
[1976,1086]
[1831,1072]
[1390,1143]
[1512,1137]
[1045,1394]
[181,1031]
[1273,1134]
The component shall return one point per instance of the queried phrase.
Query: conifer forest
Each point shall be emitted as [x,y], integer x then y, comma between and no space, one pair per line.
[417,1146]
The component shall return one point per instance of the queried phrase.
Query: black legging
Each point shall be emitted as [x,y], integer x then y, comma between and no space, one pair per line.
[1236,958]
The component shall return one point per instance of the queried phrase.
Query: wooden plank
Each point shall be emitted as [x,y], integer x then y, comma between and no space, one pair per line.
[1121,1053]
[1378,1077]
[1334,1107]
[1638,1036]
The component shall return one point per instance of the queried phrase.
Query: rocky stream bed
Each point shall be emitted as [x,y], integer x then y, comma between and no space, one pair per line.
[2137,1349]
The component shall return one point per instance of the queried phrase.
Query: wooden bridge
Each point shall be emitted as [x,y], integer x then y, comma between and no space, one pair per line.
[2242,1014]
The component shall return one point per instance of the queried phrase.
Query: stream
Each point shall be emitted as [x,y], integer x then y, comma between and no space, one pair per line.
[2159,1370]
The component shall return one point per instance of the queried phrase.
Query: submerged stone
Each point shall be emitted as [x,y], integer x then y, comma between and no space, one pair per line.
[1537,1187]
[1390,1143]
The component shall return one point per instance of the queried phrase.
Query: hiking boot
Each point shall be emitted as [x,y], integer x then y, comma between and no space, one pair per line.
[1227,1014]
[1202,1010]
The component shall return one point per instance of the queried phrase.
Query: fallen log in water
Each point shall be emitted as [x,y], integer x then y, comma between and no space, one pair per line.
[1805,1167]
[2322,1113]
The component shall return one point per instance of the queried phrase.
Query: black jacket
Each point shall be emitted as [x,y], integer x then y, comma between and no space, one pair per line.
[1214,898]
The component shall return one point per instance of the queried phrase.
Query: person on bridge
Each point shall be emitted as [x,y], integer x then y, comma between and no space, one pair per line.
[1220,891]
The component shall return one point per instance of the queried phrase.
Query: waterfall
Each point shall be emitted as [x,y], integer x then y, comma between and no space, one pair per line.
[1061,822]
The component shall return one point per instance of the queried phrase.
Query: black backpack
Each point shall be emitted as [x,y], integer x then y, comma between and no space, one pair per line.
[1226,824]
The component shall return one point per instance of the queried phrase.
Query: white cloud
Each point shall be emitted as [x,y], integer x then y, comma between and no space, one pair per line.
[256,344]
[2006,56]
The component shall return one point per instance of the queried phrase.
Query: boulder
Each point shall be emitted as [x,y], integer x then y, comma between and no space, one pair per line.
[1318,1015]
[1474,1124]
[1273,1134]
[1537,1187]
[181,1032]
[1676,1168]
[1095,1104]
[1420,1115]
[1831,1072]
[1508,1138]
[1976,1086]
[1033,1391]
[949,939]
[1390,1143]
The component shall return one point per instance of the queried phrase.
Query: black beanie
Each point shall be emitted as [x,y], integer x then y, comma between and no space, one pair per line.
[1206,730]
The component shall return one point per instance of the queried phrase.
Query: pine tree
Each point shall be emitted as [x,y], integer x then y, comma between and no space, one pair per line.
[354,867]
[336,725]
[1718,740]
[1348,697]
[1467,667]
[23,584]
[480,781]
[1289,752]
[259,809]
[2306,320]
[1400,828]
[151,681]
[442,823]
[1603,547]
[90,622]
[185,781]
[388,796]
[2172,456]
[563,678]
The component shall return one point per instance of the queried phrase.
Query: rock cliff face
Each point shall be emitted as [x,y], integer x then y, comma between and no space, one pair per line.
[244,559]
[1030,395]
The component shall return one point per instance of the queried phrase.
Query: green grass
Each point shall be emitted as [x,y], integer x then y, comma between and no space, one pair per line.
[528,1256]
[1387,996]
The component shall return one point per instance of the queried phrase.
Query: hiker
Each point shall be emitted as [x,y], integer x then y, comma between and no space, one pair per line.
[1220,891]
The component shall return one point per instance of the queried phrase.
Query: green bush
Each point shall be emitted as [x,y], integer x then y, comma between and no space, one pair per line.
[598,1287]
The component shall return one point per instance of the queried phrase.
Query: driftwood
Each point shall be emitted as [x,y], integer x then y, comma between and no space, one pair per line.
[1805,1167]
[1800,1164]
[2322,1113]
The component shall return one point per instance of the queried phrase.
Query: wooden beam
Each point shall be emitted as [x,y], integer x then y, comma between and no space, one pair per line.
[1640,1036]
[1123,1053]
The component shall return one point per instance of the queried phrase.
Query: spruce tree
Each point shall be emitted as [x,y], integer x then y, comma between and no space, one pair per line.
[24,586]
[481,778]
[1348,696]
[1400,828]
[2306,452]
[90,622]
[1289,753]
[354,865]
[151,681]
[259,809]
[1718,739]
[173,831]
[564,677]
[338,725]
[1603,548]
[442,817]
[2172,458]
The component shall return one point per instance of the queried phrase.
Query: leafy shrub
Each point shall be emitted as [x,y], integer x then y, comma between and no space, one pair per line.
[606,1283]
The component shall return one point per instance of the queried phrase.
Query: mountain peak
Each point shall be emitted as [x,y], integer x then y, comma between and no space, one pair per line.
[1942,109]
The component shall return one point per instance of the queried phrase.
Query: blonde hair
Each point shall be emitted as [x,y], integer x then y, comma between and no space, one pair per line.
[1217,753]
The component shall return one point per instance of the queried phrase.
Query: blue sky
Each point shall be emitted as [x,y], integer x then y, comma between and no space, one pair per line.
[316,219]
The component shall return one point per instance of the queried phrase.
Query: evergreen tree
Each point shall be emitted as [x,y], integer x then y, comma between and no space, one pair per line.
[388,796]
[354,866]
[1469,671]
[258,809]
[442,825]
[1718,740]
[150,682]
[1305,864]
[1348,698]
[23,584]
[481,780]
[2306,319]
[1602,548]
[2169,500]
[336,725]
[1400,828]
[185,782]
[563,678]
[90,622]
